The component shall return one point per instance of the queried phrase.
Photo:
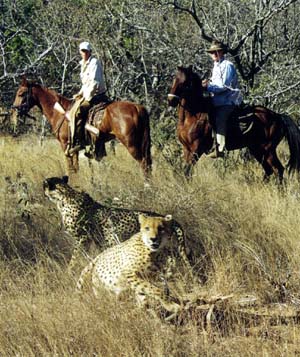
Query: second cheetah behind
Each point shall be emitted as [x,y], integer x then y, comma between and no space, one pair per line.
[87,220]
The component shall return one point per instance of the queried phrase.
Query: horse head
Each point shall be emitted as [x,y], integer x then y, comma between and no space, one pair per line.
[186,85]
[24,99]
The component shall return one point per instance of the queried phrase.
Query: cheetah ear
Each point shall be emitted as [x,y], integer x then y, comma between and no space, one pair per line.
[65,179]
[168,218]
[142,218]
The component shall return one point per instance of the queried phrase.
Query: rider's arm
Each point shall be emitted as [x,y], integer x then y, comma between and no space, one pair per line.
[223,79]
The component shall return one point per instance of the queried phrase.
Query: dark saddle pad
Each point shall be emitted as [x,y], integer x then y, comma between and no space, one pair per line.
[242,119]
[97,110]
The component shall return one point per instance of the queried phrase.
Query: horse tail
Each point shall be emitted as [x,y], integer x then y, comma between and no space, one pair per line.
[146,138]
[292,134]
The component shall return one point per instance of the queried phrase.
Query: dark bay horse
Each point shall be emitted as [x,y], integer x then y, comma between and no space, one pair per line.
[128,122]
[194,128]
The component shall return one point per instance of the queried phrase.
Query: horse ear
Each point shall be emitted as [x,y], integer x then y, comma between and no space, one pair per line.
[190,68]
[24,81]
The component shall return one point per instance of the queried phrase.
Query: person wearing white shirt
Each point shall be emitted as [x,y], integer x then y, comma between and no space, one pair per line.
[91,92]
[224,89]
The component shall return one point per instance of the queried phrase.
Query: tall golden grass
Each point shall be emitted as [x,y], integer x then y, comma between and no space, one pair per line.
[243,236]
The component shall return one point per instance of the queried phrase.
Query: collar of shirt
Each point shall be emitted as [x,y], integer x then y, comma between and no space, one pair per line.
[82,62]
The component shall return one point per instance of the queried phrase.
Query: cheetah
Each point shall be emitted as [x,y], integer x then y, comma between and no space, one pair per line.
[130,264]
[86,220]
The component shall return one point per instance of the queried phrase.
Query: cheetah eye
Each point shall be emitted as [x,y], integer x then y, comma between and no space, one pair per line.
[147,228]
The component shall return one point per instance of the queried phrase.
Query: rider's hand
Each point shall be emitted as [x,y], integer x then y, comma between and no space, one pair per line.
[205,83]
[77,96]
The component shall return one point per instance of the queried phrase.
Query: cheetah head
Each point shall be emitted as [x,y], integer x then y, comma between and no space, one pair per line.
[155,231]
[56,188]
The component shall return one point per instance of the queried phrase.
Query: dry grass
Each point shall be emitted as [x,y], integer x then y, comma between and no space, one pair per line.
[244,238]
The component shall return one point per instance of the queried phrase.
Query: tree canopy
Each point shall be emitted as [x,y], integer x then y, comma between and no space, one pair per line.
[141,43]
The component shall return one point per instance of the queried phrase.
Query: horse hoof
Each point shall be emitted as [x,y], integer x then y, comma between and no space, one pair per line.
[147,185]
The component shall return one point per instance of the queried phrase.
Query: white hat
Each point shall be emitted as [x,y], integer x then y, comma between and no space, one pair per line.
[85,46]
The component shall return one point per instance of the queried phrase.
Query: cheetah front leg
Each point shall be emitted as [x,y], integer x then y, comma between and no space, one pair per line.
[81,246]
[143,289]
[85,276]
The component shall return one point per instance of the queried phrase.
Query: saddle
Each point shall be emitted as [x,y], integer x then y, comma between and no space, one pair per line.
[81,129]
[242,119]
[96,112]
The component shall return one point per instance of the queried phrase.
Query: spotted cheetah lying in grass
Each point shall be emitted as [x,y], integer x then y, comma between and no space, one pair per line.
[126,266]
[87,220]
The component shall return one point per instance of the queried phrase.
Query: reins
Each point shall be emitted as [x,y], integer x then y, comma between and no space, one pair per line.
[59,125]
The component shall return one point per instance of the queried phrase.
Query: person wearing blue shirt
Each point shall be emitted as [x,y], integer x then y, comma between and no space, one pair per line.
[224,89]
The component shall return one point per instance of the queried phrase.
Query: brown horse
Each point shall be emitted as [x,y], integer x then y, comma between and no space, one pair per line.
[128,122]
[265,128]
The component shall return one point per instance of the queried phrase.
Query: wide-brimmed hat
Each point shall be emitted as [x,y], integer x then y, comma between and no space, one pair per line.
[85,46]
[216,46]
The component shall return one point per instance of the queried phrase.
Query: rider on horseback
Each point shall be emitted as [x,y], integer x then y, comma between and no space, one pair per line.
[224,89]
[92,92]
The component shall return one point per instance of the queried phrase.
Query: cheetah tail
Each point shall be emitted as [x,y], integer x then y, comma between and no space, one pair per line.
[85,277]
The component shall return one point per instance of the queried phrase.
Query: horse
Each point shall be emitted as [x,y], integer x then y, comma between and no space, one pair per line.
[126,121]
[265,128]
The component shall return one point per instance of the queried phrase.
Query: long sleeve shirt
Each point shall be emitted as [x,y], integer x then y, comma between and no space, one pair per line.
[224,84]
[92,78]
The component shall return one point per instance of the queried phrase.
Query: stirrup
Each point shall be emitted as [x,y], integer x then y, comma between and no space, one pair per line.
[216,154]
[75,149]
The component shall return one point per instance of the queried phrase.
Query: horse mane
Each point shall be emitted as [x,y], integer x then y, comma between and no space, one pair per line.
[58,97]
[197,102]
[194,77]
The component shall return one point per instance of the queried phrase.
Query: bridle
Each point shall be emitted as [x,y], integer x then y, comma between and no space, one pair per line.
[173,96]
[185,92]
[23,108]
[178,97]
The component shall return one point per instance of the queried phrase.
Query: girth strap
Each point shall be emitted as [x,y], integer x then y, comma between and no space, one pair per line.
[59,124]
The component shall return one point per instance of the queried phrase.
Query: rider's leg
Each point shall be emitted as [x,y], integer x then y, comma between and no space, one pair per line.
[80,120]
[222,115]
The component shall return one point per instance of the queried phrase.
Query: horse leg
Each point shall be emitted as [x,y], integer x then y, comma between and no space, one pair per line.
[136,154]
[275,164]
[146,161]
[190,160]
[260,156]
[91,167]
[113,146]
[146,152]
[70,167]
[75,161]
[146,167]
[100,150]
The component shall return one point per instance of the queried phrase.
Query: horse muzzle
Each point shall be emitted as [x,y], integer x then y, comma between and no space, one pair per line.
[173,100]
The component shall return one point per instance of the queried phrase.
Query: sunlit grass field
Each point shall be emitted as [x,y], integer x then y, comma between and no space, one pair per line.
[244,238]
